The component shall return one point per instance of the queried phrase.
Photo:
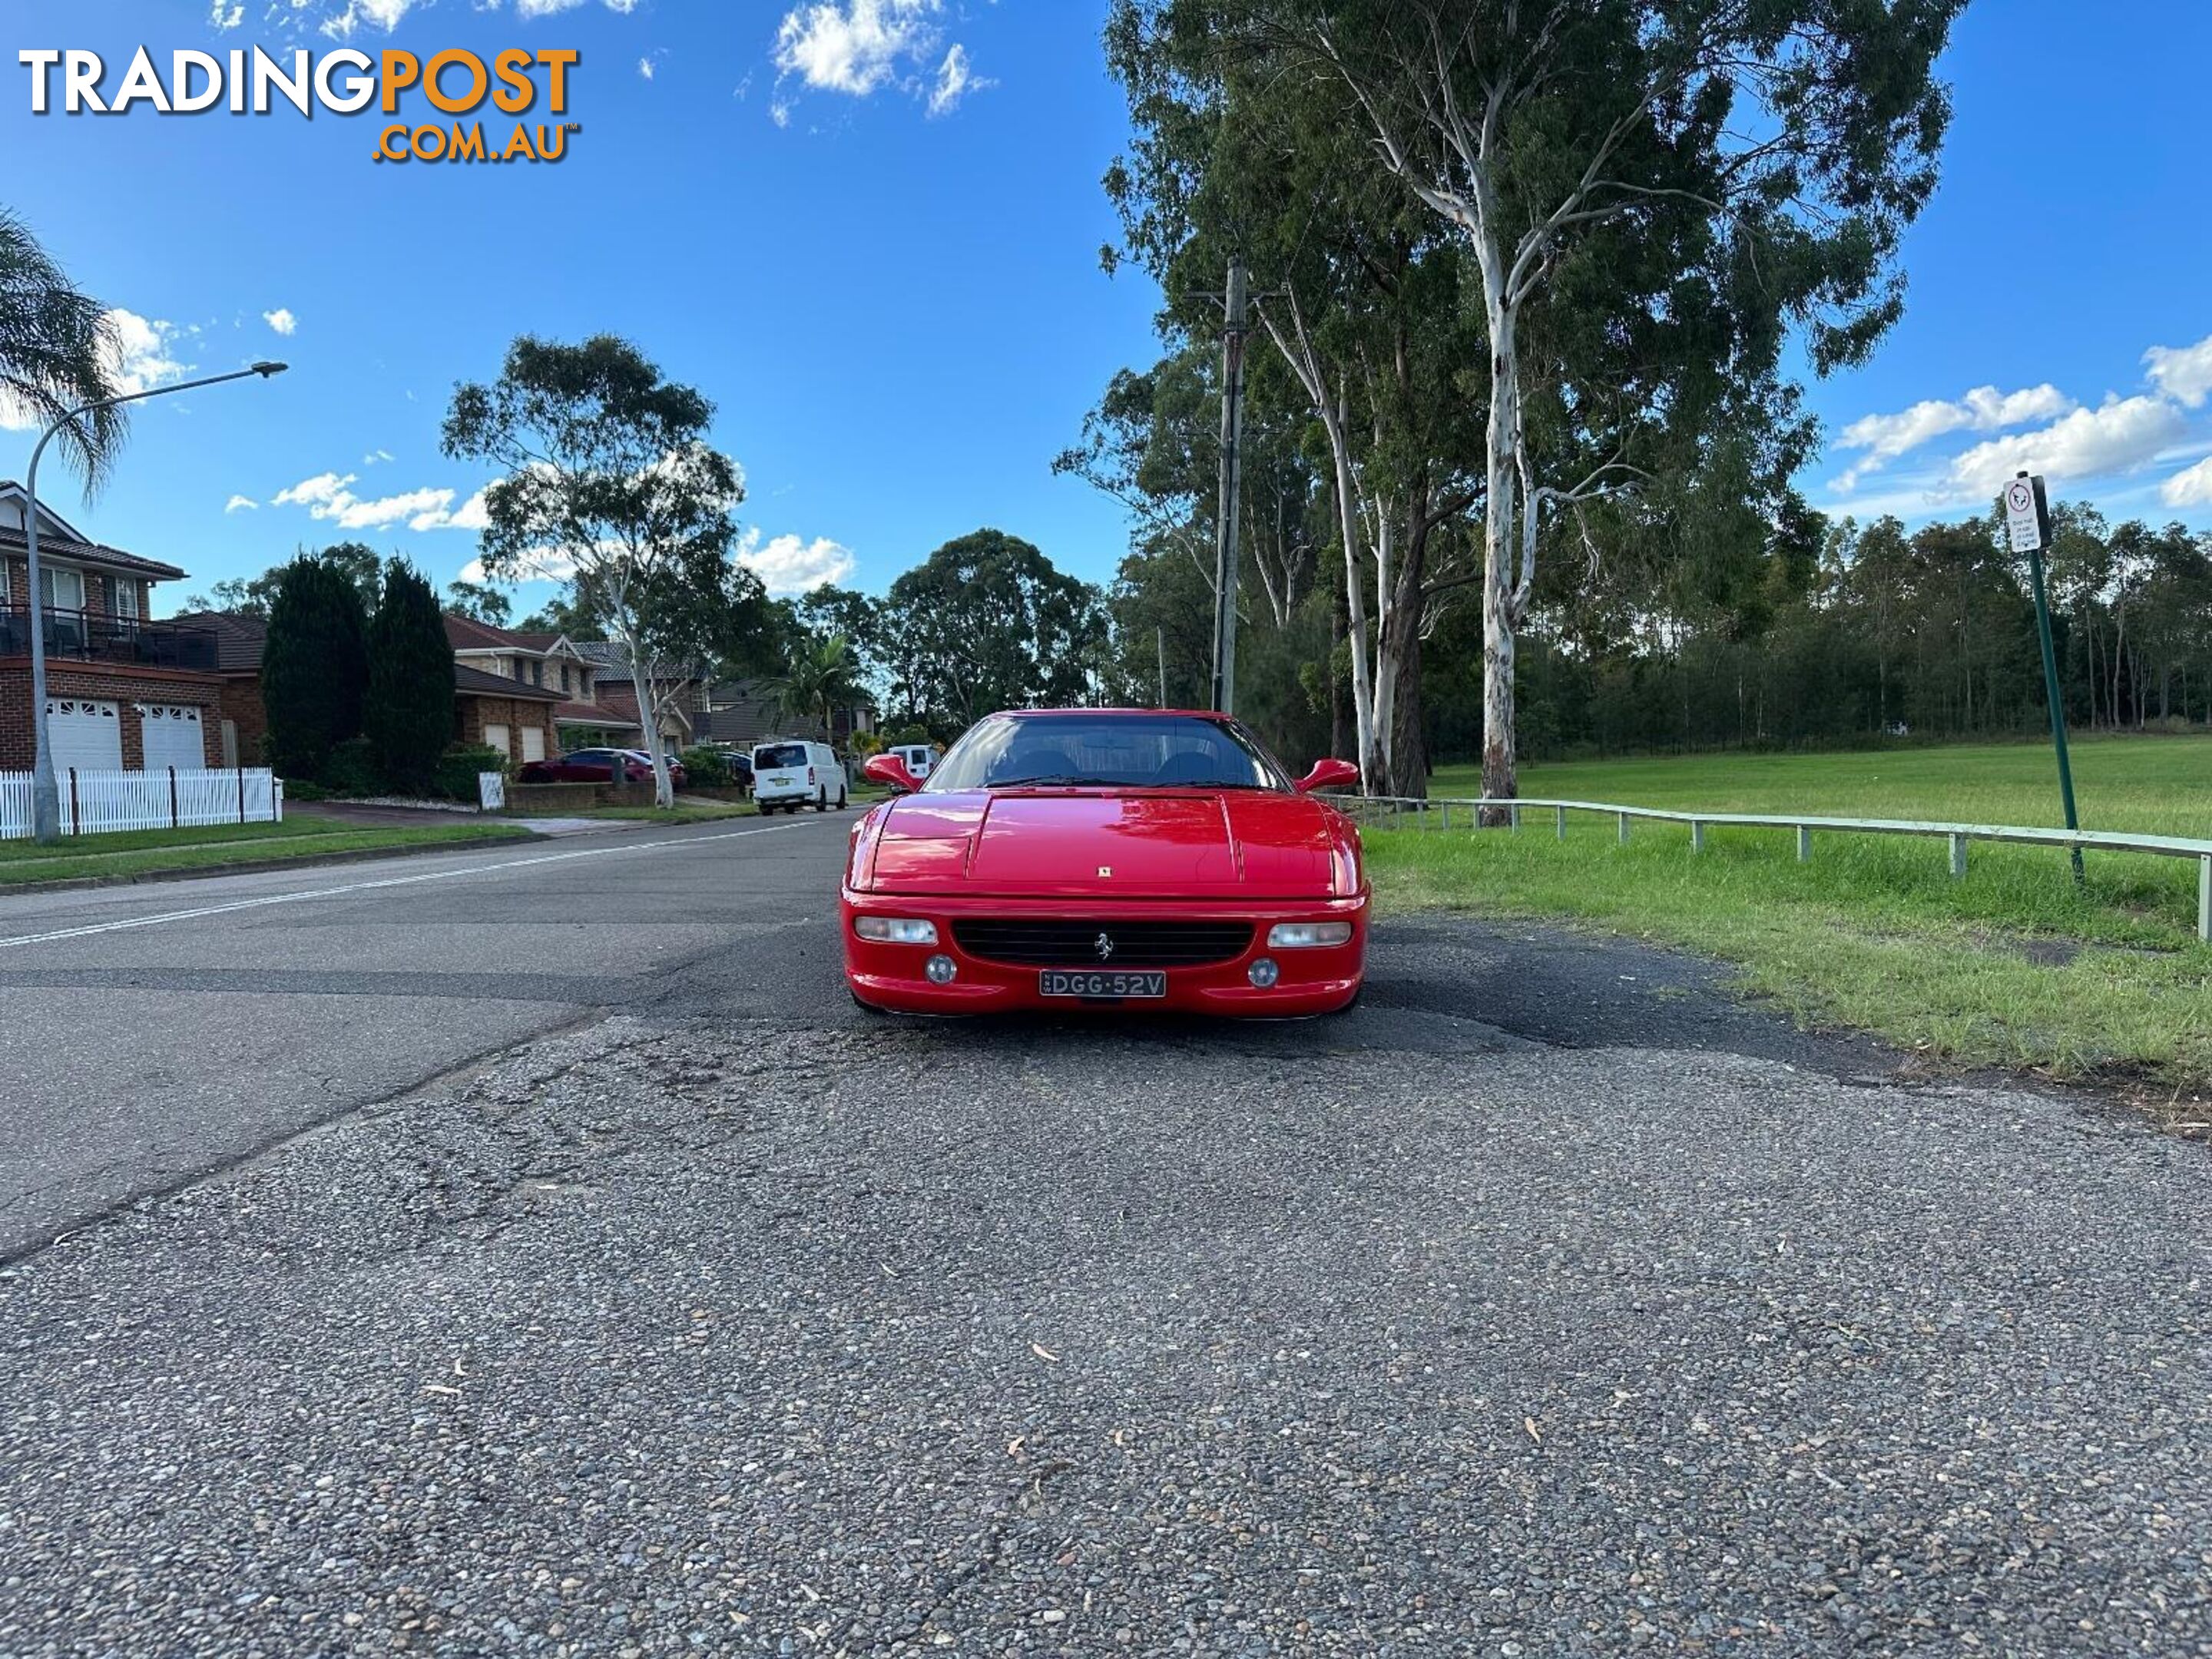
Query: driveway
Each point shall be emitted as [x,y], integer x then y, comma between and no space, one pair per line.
[1551,1303]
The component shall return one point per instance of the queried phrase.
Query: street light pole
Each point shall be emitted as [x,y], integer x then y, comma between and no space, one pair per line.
[46,795]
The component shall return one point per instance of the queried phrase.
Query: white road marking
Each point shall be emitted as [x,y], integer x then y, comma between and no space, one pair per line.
[128,922]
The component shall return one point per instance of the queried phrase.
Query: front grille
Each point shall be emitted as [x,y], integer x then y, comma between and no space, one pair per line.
[1075,943]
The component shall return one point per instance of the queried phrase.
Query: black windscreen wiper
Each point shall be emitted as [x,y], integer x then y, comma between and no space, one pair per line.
[1062,781]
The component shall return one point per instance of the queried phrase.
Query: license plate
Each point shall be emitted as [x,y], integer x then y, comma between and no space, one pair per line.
[1099,986]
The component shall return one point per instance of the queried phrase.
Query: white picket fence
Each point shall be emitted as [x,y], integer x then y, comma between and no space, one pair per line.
[97,802]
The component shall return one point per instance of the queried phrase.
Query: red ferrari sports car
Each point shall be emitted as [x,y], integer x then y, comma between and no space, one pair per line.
[1132,859]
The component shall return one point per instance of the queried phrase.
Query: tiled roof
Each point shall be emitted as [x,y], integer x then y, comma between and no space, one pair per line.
[239,638]
[111,558]
[466,634]
[591,714]
[474,682]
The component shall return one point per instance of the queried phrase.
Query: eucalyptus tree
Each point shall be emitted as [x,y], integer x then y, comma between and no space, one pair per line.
[1653,194]
[986,622]
[1360,298]
[610,485]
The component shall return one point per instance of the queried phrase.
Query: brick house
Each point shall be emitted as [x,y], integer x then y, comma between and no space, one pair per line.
[513,714]
[683,690]
[739,714]
[123,693]
[533,686]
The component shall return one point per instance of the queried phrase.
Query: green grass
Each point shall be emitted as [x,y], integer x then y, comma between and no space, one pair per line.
[2162,784]
[2011,966]
[149,852]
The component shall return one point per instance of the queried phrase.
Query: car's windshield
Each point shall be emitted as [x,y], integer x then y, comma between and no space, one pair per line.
[1127,751]
[779,754]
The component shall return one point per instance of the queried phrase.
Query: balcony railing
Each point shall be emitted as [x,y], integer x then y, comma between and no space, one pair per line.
[95,636]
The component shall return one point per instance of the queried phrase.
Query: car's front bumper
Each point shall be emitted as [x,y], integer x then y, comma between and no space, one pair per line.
[1317,980]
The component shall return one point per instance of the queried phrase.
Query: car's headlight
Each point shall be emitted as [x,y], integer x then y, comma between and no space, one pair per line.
[1307,935]
[895,930]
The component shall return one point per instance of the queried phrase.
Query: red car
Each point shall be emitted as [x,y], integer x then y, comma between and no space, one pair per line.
[1131,859]
[598,766]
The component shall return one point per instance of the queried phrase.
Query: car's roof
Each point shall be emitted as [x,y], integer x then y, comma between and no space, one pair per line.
[1148,713]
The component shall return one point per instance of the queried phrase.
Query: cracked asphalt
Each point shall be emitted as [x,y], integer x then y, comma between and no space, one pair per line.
[1552,1303]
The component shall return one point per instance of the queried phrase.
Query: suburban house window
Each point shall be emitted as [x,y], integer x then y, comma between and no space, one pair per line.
[123,596]
[564,677]
[62,588]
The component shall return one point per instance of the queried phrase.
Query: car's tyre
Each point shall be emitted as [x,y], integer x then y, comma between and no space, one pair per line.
[842,799]
[821,801]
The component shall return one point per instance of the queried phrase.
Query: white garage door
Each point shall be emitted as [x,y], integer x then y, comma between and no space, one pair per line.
[172,737]
[86,735]
[533,743]
[495,737]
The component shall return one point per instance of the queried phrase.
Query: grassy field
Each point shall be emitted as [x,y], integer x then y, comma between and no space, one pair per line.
[149,852]
[2011,966]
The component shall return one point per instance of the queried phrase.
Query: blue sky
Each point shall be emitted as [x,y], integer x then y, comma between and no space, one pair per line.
[869,230]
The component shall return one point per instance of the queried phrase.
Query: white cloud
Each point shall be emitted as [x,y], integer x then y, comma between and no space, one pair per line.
[541,565]
[341,20]
[330,498]
[854,45]
[2192,487]
[140,353]
[226,15]
[860,46]
[1984,409]
[374,456]
[281,320]
[2183,372]
[644,67]
[241,504]
[790,565]
[2118,436]
[954,81]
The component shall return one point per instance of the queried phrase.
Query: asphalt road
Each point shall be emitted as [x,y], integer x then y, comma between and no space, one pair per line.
[1551,1302]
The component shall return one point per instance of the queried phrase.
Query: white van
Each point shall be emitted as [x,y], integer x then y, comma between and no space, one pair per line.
[919,758]
[790,773]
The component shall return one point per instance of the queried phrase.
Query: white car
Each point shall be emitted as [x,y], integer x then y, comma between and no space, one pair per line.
[790,773]
[919,758]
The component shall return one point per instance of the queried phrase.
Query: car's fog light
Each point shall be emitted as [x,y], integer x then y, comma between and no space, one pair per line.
[940,969]
[1307,935]
[895,930]
[1263,974]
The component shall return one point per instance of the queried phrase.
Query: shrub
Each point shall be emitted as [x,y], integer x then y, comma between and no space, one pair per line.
[314,668]
[708,768]
[352,770]
[409,715]
[459,766]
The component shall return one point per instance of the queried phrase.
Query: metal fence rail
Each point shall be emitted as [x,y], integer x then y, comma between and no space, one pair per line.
[1957,836]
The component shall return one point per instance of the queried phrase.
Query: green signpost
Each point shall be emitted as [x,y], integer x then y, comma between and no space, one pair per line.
[2027,523]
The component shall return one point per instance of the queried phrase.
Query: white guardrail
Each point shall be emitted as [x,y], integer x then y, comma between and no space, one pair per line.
[97,802]
[1957,835]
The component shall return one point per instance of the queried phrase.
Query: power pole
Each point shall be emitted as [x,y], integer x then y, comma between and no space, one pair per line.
[1236,324]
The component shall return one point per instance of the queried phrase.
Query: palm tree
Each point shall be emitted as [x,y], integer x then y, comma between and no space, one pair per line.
[55,352]
[824,676]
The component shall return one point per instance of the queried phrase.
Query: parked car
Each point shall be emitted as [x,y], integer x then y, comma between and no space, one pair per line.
[599,766]
[790,773]
[918,757]
[1107,859]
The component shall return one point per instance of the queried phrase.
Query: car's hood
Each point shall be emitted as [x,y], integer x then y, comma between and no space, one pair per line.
[1171,843]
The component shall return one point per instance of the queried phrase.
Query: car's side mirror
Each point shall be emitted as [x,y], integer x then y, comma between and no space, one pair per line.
[889,769]
[1328,774]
